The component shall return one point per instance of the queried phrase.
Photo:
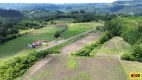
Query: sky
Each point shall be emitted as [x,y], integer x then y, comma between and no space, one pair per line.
[56,1]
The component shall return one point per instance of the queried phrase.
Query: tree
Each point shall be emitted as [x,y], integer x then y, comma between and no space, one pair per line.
[57,34]
[52,22]
[3,31]
[13,31]
[82,11]
[74,12]
[137,52]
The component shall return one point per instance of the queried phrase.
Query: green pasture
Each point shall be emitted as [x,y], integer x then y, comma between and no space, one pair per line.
[114,46]
[78,28]
[18,45]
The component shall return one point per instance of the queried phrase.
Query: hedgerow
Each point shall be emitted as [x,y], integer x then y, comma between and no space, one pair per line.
[16,66]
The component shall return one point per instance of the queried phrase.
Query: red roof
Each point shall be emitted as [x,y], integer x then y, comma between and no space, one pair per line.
[38,42]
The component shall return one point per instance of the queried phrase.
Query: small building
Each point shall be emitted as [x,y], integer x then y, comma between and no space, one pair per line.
[36,44]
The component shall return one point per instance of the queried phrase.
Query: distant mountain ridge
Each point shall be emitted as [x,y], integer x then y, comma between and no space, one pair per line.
[118,7]
[29,6]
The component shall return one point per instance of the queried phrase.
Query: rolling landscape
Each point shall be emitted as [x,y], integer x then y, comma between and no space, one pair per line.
[71,41]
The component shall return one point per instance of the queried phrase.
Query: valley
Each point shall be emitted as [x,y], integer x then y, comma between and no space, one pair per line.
[71,41]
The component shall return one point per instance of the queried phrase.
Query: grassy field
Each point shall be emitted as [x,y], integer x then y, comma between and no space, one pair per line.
[18,45]
[77,28]
[115,46]
[25,31]
[64,20]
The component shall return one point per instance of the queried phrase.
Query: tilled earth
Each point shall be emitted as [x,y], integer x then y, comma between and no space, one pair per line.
[55,67]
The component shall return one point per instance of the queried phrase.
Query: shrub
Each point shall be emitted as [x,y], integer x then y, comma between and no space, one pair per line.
[137,52]
[16,66]
[128,56]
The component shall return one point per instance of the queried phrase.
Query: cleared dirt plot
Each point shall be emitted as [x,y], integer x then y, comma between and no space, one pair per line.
[66,67]
[80,43]
[63,67]
[106,65]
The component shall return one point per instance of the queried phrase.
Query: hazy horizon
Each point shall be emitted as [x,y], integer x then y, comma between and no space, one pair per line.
[57,1]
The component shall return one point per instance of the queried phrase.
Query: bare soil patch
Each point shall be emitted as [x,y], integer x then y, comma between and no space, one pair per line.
[80,43]
[37,66]
[102,67]
[99,68]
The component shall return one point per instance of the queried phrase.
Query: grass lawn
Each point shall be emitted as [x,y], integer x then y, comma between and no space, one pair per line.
[77,28]
[114,46]
[18,45]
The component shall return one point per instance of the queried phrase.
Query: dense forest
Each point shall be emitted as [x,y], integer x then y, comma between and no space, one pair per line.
[13,14]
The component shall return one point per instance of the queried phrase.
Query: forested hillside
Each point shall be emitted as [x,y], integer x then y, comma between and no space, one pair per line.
[131,30]
[37,13]
[10,14]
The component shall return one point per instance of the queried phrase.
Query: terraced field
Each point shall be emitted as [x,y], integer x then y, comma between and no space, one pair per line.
[105,65]
[63,67]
